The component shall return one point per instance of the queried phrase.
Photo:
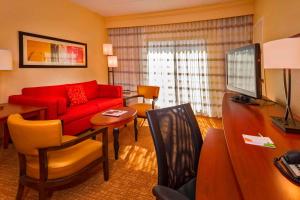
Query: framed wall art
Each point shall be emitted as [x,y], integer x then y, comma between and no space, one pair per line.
[38,51]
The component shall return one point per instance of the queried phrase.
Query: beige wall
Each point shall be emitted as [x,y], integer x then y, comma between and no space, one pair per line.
[280,18]
[216,11]
[56,18]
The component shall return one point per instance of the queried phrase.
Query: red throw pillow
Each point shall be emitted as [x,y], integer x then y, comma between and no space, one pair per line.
[90,89]
[76,95]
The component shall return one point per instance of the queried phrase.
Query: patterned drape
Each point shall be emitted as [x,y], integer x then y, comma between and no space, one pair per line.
[187,60]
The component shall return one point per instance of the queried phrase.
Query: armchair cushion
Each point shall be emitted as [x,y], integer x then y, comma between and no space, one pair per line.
[68,161]
[29,136]
[149,92]
[141,108]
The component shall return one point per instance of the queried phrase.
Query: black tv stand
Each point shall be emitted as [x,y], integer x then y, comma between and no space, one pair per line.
[243,99]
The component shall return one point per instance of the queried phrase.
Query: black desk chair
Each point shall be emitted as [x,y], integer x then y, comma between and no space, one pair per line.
[177,139]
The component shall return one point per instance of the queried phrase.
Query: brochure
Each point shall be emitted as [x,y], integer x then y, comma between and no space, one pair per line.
[258,140]
[114,113]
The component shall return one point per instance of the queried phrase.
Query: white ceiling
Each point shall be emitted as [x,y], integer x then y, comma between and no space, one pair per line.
[125,7]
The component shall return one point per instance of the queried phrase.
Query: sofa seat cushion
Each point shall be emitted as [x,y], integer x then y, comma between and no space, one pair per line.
[77,112]
[141,108]
[68,161]
[106,103]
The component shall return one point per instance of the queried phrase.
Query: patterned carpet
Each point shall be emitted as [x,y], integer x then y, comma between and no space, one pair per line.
[131,177]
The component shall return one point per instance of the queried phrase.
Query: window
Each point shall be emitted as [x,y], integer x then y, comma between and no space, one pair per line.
[180,69]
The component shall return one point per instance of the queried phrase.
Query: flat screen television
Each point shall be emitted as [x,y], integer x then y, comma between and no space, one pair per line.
[243,73]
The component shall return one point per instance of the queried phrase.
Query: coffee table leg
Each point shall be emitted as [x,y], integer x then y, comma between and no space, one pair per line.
[105,155]
[116,142]
[135,129]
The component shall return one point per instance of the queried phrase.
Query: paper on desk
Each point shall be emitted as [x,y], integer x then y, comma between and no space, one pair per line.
[258,140]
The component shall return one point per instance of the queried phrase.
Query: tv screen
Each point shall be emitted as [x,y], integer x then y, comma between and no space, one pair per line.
[243,70]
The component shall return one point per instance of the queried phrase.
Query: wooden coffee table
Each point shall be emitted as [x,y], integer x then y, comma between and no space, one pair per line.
[100,120]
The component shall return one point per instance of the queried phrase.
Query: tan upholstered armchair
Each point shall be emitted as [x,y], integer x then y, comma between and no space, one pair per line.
[147,92]
[49,160]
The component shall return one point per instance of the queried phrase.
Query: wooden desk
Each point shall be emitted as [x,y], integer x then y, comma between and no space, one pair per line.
[255,173]
[215,177]
[25,111]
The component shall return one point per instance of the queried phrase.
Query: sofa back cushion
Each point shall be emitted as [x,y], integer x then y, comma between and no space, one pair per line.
[56,90]
[110,91]
[90,88]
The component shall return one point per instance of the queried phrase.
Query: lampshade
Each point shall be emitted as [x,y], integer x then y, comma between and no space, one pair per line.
[5,59]
[281,54]
[107,49]
[112,61]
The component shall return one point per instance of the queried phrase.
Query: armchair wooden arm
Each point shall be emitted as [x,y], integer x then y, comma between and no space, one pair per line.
[134,96]
[87,135]
[43,156]
[153,102]
[130,97]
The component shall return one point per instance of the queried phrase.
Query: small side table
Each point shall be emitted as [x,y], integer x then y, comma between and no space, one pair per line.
[128,95]
[26,111]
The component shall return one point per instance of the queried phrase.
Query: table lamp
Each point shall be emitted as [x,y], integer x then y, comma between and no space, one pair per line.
[284,54]
[112,62]
[5,62]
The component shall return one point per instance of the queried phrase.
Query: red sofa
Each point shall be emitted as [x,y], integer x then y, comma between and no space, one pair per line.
[75,118]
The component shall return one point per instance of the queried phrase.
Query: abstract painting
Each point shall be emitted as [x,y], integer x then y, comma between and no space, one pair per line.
[38,51]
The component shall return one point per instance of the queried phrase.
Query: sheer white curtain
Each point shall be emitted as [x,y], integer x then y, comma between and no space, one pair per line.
[180,68]
[187,60]
[161,72]
[192,74]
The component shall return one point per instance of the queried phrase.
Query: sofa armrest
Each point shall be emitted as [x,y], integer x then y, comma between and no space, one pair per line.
[114,91]
[55,105]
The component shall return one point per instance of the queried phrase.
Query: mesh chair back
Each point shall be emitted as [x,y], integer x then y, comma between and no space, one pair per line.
[177,139]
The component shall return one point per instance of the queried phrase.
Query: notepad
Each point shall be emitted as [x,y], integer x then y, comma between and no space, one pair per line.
[259,141]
